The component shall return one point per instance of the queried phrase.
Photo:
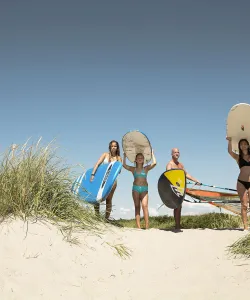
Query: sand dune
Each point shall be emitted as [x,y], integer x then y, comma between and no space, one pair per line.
[192,264]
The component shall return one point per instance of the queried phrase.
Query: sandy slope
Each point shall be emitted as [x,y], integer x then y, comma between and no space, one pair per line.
[164,265]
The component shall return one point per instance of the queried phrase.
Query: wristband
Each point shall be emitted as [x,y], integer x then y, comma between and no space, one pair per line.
[92,174]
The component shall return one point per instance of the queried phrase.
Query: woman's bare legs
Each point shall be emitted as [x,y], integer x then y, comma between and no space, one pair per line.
[144,202]
[137,203]
[109,202]
[243,194]
[138,200]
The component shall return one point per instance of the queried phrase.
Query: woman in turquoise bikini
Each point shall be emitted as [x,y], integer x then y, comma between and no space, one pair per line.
[140,186]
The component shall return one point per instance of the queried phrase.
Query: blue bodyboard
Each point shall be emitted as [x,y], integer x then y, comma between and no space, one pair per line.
[98,190]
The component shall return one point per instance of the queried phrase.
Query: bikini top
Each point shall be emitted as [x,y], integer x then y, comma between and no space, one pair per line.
[106,161]
[142,174]
[243,162]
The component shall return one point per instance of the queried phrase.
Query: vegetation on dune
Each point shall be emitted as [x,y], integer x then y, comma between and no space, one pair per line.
[241,248]
[34,183]
[210,220]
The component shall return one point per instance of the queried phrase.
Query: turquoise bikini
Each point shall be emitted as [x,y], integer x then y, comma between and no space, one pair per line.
[140,188]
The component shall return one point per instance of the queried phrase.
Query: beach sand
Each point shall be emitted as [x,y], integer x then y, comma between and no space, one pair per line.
[192,264]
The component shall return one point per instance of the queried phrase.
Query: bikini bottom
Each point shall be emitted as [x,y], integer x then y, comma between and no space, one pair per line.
[140,188]
[245,183]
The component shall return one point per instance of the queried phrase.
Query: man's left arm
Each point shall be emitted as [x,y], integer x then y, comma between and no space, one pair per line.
[191,177]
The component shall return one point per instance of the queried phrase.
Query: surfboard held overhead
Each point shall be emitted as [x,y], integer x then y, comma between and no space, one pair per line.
[134,142]
[238,124]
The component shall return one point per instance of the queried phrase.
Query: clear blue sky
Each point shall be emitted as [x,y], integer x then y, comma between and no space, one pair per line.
[86,72]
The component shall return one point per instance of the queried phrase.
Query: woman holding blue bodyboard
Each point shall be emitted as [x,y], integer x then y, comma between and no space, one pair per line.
[106,158]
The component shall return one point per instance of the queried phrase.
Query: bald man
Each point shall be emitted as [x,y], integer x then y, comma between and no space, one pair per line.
[175,164]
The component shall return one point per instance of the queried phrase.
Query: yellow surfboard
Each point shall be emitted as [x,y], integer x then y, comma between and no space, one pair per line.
[172,187]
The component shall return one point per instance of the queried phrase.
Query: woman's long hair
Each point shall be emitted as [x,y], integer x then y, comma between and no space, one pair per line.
[117,150]
[240,151]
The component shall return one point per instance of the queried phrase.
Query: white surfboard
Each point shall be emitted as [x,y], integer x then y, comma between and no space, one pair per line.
[238,124]
[134,142]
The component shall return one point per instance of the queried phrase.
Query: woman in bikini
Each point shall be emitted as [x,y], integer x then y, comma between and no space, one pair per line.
[140,186]
[106,157]
[243,182]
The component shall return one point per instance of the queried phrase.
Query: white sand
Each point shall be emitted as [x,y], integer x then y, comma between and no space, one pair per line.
[164,265]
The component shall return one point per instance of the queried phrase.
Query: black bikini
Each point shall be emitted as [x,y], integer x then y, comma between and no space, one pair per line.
[243,163]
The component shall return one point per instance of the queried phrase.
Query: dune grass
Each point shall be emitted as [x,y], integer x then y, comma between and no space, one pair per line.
[240,248]
[210,220]
[34,183]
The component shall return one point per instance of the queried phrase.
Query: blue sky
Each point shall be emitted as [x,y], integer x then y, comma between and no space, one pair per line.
[86,72]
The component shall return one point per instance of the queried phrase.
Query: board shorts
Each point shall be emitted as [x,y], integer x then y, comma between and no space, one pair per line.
[140,188]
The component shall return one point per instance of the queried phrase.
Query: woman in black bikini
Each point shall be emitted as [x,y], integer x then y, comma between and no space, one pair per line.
[243,182]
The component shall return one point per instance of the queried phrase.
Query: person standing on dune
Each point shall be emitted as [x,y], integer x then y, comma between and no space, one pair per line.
[107,157]
[175,164]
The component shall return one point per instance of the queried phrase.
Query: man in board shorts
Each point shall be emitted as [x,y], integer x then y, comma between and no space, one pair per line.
[175,164]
